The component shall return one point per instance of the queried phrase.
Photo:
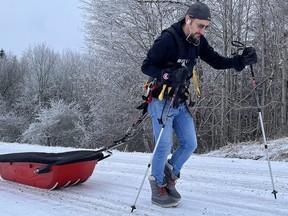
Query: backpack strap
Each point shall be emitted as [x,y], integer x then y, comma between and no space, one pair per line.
[172,31]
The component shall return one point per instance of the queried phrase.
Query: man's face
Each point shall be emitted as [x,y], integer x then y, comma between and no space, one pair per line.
[197,28]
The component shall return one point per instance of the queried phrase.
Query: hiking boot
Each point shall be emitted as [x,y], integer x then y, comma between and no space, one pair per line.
[170,179]
[160,196]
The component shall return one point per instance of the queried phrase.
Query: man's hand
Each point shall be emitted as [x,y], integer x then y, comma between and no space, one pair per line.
[249,56]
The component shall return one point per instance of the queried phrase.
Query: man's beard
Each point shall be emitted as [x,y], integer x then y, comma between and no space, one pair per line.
[195,39]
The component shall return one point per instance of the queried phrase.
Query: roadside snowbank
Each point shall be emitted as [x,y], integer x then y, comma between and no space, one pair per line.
[277,150]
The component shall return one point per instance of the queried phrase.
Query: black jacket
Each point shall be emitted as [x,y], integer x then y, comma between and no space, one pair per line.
[165,49]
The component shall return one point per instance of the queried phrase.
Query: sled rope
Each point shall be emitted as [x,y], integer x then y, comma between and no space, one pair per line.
[131,132]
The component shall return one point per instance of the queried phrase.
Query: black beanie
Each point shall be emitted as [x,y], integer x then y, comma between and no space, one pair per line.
[199,11]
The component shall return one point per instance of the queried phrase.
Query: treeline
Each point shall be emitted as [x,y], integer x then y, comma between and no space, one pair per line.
[62,100]
[88,100]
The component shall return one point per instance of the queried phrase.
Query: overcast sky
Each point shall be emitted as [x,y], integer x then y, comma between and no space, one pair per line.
[24,23]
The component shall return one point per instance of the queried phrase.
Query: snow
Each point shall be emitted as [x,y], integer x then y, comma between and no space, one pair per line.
[209,185]
[277,150]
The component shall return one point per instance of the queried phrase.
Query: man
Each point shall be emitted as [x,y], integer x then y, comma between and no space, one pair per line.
[182,43]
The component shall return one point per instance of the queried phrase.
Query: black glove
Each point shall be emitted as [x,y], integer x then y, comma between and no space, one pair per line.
[172,76]
[249,56]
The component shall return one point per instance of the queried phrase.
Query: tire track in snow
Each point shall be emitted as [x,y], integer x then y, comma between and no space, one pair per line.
[209,186]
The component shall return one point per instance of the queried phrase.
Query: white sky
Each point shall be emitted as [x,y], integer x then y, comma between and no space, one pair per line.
[24,23]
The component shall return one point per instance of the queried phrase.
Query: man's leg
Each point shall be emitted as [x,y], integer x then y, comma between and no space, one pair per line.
[183,125]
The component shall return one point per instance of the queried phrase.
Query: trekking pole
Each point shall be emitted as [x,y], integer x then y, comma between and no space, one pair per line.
[274,192]
[156,145]
[241,46]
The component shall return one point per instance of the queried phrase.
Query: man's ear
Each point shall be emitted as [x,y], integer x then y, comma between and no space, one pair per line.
[188,20]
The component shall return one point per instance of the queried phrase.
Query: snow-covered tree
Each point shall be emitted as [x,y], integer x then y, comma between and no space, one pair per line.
[11,127]
[60,125]
[39,63]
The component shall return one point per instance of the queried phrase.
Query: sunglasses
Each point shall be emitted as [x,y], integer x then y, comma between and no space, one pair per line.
[200,26]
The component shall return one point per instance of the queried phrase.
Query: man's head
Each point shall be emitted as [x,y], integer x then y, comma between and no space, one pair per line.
[199,11]
[197,19]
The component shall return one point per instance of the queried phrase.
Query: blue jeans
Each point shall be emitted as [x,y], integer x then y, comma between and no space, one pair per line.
[182,122]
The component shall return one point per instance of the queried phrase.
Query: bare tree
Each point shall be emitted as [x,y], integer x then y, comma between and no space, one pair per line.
[2,53]
[119,35]
[40,64]
[11,78]
[278,15]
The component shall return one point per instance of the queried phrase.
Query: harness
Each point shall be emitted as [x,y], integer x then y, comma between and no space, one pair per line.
[153,84]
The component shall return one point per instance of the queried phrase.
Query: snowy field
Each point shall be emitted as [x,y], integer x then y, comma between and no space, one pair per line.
[210,185]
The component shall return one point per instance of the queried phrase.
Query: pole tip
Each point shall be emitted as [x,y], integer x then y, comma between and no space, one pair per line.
[274,192]
[133,208]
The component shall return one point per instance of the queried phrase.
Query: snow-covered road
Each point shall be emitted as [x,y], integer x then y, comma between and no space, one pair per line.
[209,186]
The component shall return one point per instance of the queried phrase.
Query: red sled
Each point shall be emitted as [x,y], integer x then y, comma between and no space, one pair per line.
[50,170]
[56,170]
